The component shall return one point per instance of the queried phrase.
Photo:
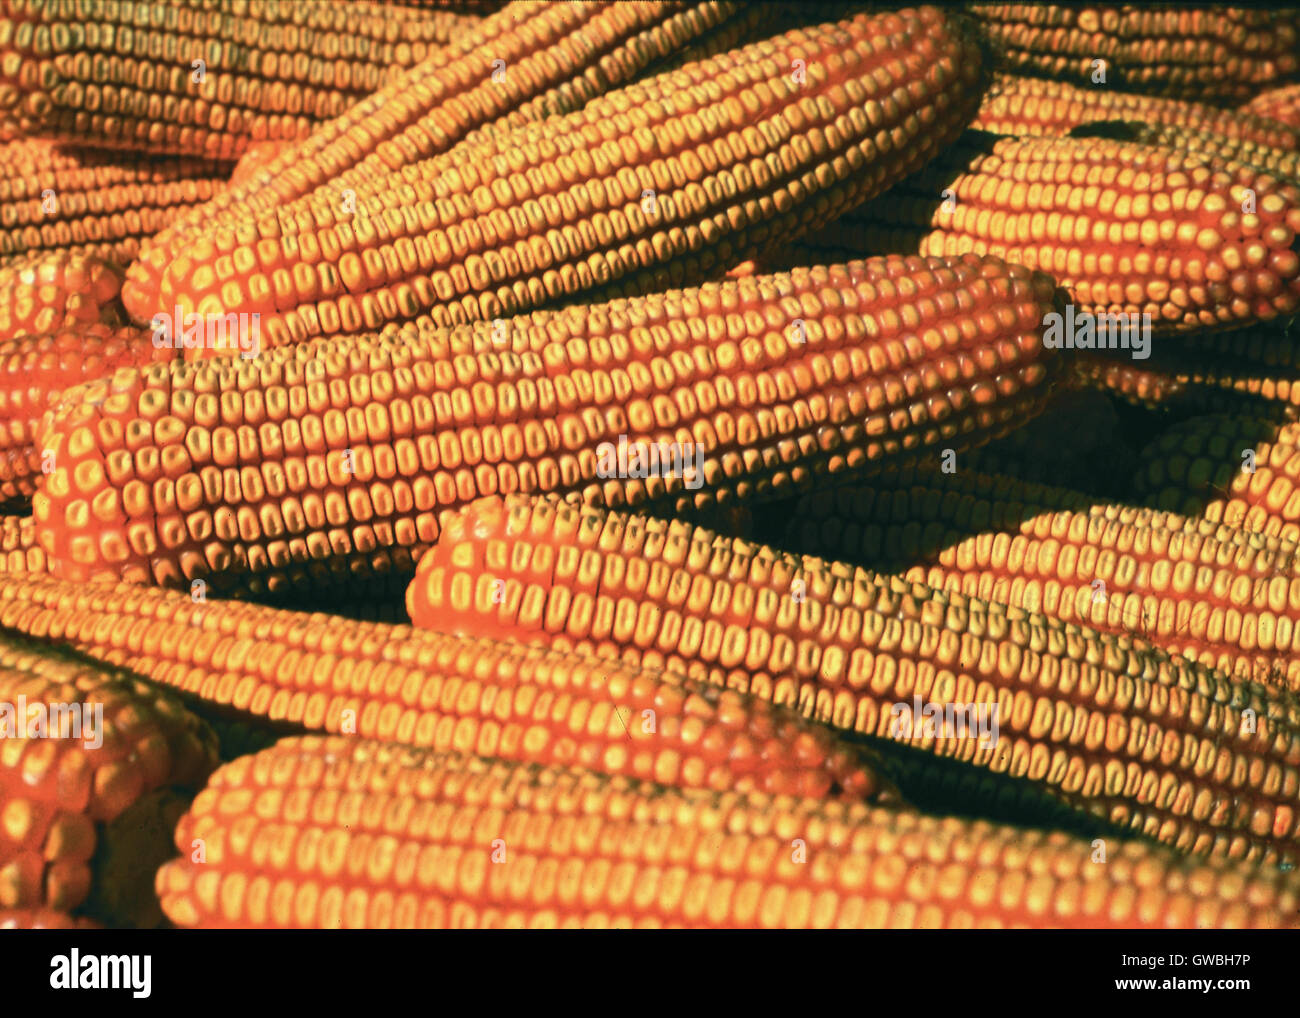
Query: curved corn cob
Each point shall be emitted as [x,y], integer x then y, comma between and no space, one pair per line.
[35,372]
[324,833]
[249,475]
[573,50]
[654,185]
[55,197]
[1199,468]
[1252,370]
[56,291]
[1129,229]
[1280,104]
[1032,106]
[1158,745]
[1218,594]
[1216,53]
[394,683]
[201,79]
[59,782]
[41,919]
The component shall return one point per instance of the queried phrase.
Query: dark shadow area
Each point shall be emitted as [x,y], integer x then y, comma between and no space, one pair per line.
[945,787]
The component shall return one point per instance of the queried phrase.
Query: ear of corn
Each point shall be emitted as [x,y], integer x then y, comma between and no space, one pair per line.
[394,683]
[1202,468]
[569,52]
[1033,107]
[1214,53]
[1274,160]
[1155,744]
[36,372]
[1216,593]
[201,79]
[62,774]
[50,292]
[694,167]
[1127,229]
[347,834]
[1281,104]
[1036,107]
[346,453]
[53,197]
[1247,371]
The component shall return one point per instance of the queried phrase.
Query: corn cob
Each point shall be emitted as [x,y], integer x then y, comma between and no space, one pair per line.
[36,371]
[1251,371]
[1280,104]
[576,50]
[1219,53]
[1034,107]
[201,79]
[55,197]
[41,919]
[59,783]
[1199,468]
[1279,162]
[751,23]
[1158,745]
[57,291]
[394,683]
[708,168]
[251,476]
[1215,593]
[1128,229]
[1029,106]
[325,833]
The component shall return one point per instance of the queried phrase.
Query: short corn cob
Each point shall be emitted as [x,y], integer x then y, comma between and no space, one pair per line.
[574,51]
[1280,104]
[656,185]
[1199,468]
[1126,228]
[41,919]
[1215,593]
[324,833]
[1120,730]
[55,791]
[36,371]
[394,683]
[18,545]
[1216,53]
[1252,370]
[54,197]
[1035,107]
[46,293]
[334,460]
[201,79]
